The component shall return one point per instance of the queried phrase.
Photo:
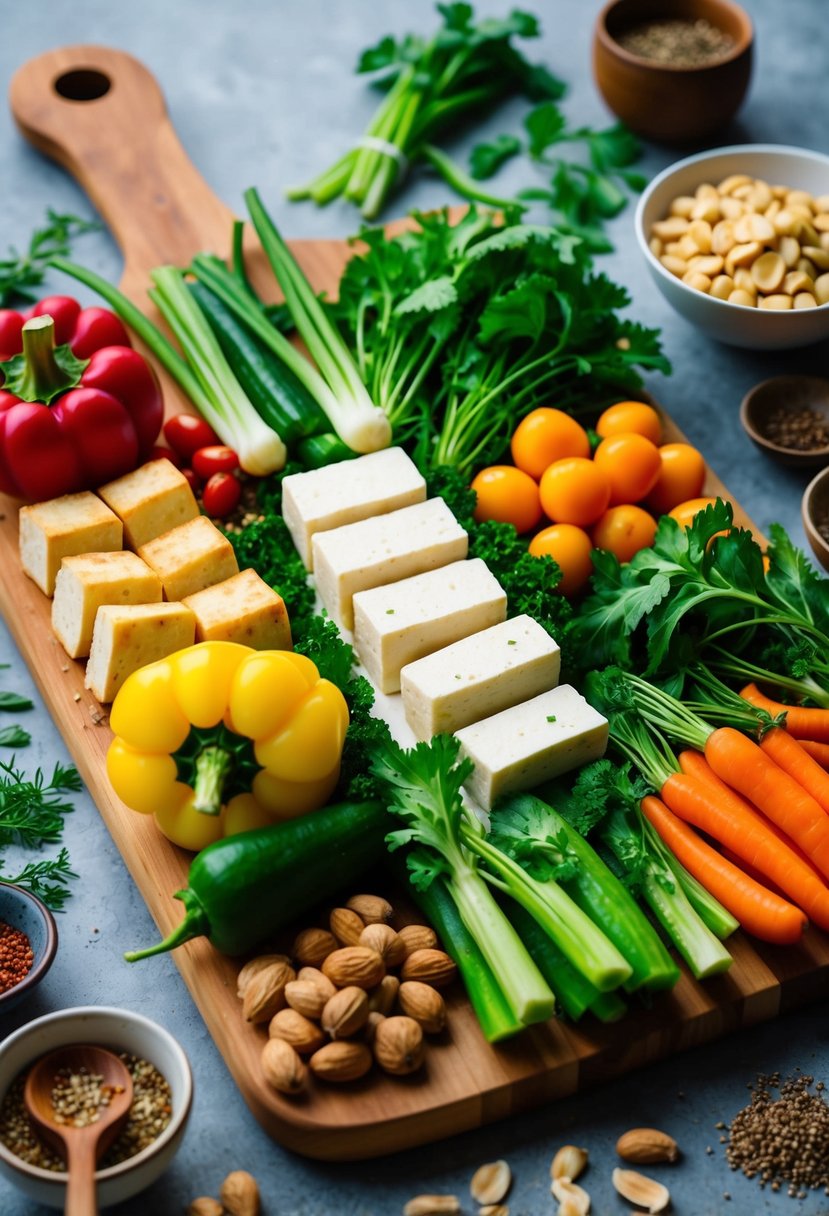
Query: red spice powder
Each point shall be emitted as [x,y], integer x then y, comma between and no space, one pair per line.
[16,956]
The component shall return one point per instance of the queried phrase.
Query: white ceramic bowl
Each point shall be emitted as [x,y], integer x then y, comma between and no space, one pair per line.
[736,324]
[122,1030]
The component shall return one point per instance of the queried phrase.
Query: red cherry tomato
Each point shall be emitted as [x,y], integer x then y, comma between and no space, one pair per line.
[162,453]
[186,433]
[192,480]
[214,459]
[221,495]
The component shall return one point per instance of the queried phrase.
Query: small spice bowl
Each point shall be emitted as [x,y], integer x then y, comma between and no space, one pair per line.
[788,417]
[22,911]
[672,102]
[119,1030]
[815,513]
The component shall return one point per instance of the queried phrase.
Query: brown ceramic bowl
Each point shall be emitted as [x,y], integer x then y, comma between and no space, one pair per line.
[815,513]
[663,102]
[792,393]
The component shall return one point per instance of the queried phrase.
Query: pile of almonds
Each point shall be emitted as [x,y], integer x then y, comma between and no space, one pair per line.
[749,243]
[238,1196]
[491,1182]
[337,1002]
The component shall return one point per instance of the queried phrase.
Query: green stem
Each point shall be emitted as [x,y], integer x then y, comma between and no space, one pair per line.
[465,185]
[195,924]
[213,767]
[43,378]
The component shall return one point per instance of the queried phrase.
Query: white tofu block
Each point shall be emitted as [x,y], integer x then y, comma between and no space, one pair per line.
[63,527]
[241,609]
[479,676]
[150,500]
[397,624]
[129,636]
[190,557]
[89,580]
[520,747]
[342,493]
[376,552]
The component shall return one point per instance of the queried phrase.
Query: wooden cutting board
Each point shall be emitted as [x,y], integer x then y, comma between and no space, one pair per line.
[101,114]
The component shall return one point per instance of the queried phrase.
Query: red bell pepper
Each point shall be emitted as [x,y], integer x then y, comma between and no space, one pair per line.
[78,406]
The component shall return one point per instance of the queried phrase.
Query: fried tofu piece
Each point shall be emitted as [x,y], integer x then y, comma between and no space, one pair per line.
[64,527]
[87,581]
[241,609]
[129,636]
[189,558]
[150,501]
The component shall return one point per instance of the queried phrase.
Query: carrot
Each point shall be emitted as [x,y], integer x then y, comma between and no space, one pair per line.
[743,765]
[802,721]
[818,751]
[729,820]
[760,912]
[695,764]
[792,757]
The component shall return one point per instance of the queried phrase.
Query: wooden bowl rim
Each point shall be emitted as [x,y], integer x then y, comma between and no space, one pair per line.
[742,44]
[793,455]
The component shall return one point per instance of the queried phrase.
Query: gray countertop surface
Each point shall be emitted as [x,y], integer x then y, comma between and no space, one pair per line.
[264,94]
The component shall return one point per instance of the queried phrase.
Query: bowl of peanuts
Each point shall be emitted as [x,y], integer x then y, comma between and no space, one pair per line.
[737,241]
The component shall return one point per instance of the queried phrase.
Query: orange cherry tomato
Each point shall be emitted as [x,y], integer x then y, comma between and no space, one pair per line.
[570,547]
[681,476]
[630,418]
[544,436]
[507,495]
[624,530]
[631,464]
[684,512]
[575,491]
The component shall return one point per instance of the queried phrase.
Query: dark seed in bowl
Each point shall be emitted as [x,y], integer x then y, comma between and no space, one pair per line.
[678,41]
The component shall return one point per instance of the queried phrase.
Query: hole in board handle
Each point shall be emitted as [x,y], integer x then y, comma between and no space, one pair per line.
[83,84]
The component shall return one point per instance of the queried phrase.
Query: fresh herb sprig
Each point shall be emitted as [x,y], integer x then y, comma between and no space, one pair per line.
[32,812]
[21,273]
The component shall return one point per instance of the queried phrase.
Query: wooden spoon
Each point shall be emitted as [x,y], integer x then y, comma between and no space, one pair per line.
[81,1147]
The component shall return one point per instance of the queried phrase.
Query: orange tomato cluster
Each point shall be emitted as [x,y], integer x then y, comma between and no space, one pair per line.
[609,500]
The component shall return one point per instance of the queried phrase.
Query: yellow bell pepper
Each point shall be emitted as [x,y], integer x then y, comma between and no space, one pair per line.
[219,738]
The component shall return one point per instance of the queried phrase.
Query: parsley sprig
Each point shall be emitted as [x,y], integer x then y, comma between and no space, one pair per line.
[21,273]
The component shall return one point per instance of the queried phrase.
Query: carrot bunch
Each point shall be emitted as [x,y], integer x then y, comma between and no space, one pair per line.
[765,802]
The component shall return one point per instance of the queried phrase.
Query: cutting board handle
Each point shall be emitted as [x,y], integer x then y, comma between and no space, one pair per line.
[101,114]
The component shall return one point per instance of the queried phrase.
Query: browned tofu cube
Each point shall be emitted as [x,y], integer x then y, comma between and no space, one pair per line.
[190,557]
[150,501]
[241,609]
[62,527]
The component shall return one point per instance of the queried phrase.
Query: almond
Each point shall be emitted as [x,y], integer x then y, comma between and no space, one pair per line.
[302,1034]
[385,941]
[572,1198]
[423,1003]
[381,999]
[282,1068]
[312,946]
[432,1205]
[346,926]
[239,1194]
[371,909]
[433,967]
[345,1013]
[642,1191]
[418,937]
[313,975]
[646,1145]
[265,992]
[254,967]
[342,1061]
[205,1205]
[398,1046]
[354,965]
[372,1022]
[306,998]
[491,1182]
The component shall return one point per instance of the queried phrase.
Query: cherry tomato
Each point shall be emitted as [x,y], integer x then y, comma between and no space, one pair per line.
[575,491]
[192,480]
[681,474]
[214,459]
[507,495]
[544,436]
[221,495]
[570,547]
[684,512]
[162,453]
[624,530]
[630,418]
[186,433]
[631,465]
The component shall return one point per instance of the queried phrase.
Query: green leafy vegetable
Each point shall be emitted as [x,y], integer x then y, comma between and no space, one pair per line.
[14,736]
[32,812]
[11,702]
[20,273]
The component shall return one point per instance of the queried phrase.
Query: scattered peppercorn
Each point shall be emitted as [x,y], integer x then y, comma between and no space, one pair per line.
[784,1139]
[801,429]
[16,956]
[150,1114]
[678,41]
